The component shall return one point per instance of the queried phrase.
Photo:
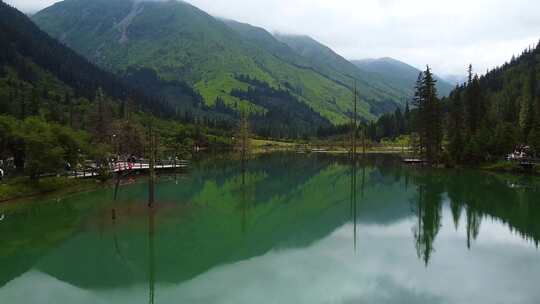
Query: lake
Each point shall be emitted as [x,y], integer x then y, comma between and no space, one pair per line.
[286,228]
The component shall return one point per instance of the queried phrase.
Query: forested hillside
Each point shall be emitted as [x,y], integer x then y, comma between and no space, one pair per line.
[32,56]
[482,121]
[399,74]
[58,108]
[492,114]
[182,43]
[306,52]
[382,95]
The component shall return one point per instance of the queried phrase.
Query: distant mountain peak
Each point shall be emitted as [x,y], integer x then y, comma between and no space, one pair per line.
[382,60]
[455,79]
[217,57]
[398,72]
[378,59]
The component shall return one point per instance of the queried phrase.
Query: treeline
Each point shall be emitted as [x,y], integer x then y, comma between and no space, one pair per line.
[285,116]
[184,102]
[481,121]
[44,142]
[57,110]
[469,206]
[471,196]
[24,44]
[489,116]
[39,147]
[388,126]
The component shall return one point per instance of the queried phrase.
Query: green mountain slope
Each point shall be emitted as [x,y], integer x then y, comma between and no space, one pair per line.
[259,37]
[398,74]
[56,108]
[181,42]
[38,73]
[381,94]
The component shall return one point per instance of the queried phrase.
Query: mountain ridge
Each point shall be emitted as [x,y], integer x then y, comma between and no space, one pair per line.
[399,73]
[33,56]
[180,42]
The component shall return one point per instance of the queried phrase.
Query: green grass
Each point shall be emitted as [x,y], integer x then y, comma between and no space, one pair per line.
[196,48]
[24,187]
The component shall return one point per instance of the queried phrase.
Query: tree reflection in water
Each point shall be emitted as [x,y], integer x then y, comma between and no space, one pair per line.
[478,196]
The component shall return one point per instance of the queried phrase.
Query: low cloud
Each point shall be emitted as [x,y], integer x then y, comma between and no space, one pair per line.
[445,34]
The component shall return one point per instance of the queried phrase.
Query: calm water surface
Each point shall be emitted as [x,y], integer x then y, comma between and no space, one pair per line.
[287,229]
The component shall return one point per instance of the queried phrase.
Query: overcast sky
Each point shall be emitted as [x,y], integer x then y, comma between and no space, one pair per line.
[446,34]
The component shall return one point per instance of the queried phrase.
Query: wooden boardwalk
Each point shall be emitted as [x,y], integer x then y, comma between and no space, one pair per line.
[124,167]
[413,161]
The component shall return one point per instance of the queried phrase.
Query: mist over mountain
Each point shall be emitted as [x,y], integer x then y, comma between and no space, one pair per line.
[334,66]
[455,79]
[399,74]
[180,42]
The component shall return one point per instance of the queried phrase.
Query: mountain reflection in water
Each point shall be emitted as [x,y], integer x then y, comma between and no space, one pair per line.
[287,229]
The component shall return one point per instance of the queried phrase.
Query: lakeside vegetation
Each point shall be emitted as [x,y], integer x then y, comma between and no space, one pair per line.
[480,123]
[152,152]
[180,42]
[23,187]
[59,113]
[218,194]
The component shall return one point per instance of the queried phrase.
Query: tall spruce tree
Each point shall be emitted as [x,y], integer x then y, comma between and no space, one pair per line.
[419,119]
[455,127]
[473,105]
[433,118]
[429,117]
[527,113]
[407,118]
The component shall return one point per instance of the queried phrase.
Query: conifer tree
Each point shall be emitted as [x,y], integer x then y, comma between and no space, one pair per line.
[433,118]
[455,127]
[419,120]
[429,117]
[407,115]
[472,105]
[534,139]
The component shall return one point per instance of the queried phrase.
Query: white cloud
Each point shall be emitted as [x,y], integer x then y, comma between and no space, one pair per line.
[30,6]
[500,268]
[445,34]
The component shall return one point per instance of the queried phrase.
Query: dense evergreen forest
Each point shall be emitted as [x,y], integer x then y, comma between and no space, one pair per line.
[490,115]
[285,114]
[56,108]
[181,43]
[481,121]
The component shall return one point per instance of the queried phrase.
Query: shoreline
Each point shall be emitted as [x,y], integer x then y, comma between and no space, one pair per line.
[23,188]
[509,168]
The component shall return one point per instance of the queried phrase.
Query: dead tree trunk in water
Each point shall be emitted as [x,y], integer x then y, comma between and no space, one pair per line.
[354,125]
[151,167]
[243,147]
[243,144]
[151,258]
